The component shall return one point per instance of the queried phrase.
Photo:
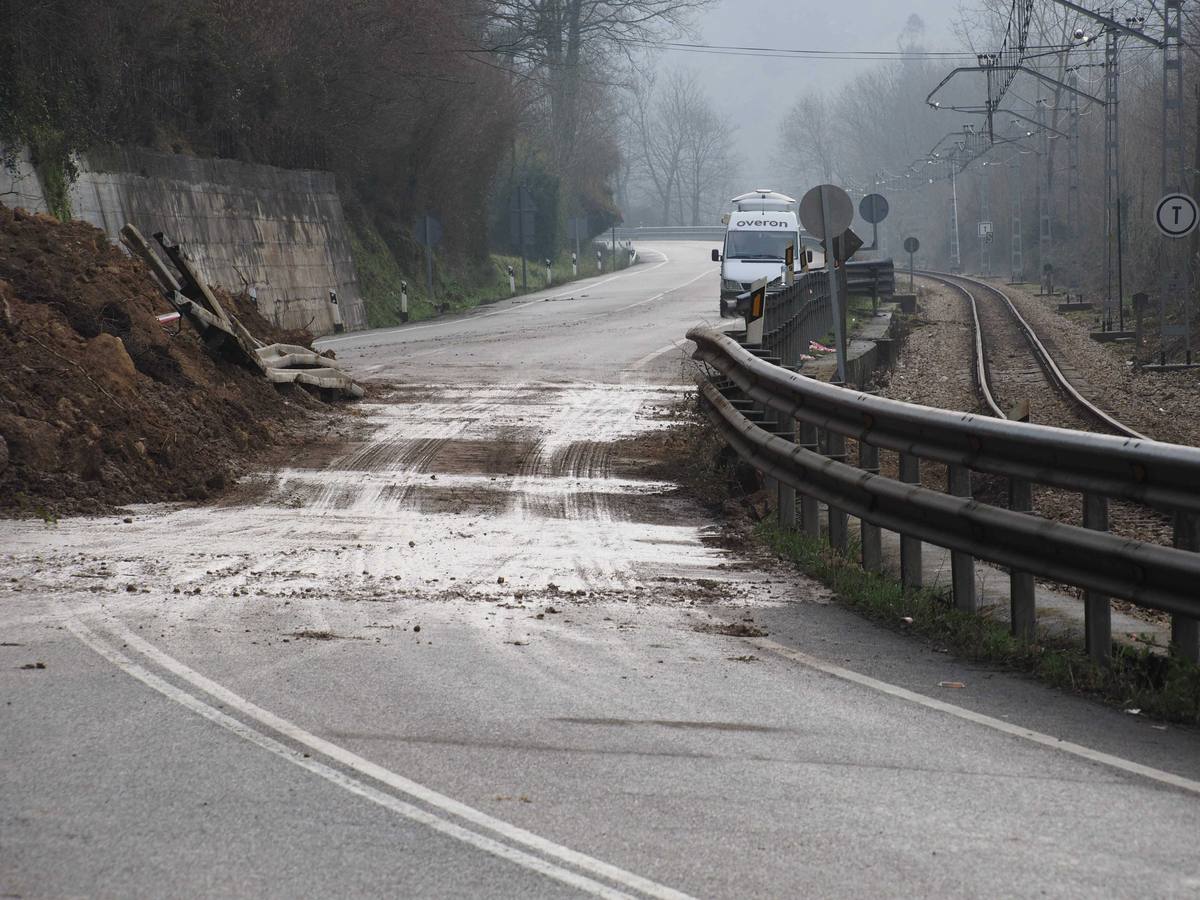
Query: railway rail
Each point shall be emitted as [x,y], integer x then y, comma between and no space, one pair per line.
[1011,361]
[998,326]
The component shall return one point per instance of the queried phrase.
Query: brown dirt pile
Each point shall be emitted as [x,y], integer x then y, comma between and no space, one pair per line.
[99,406]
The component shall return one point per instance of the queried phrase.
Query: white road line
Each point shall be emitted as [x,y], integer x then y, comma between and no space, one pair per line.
[1036,737]
[655,354]
[358,335]
[350,760]
[482,842]
[658,296]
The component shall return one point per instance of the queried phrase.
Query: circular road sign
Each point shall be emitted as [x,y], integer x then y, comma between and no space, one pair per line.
[911,245]
[1177,215]
[873,208]
[841,210]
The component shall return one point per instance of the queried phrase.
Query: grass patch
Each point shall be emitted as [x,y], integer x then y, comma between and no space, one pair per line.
[1165,688]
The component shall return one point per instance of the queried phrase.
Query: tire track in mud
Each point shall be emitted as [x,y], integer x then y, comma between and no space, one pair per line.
[537,501]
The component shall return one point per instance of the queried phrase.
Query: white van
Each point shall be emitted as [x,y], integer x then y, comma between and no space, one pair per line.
[757,233]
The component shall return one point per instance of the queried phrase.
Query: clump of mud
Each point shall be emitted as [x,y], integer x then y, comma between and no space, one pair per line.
[99,405]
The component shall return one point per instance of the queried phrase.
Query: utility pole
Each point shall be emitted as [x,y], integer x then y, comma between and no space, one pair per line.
[1176,271]
[521,191]
[955,247]
[985,215]
[1112,176]
[1045,261]
[1073,189]
[1015,242]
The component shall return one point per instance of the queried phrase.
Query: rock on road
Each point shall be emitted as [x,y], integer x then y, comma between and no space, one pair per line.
[475,653]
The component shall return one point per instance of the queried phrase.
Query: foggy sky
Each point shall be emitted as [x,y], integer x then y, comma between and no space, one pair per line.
[758,90]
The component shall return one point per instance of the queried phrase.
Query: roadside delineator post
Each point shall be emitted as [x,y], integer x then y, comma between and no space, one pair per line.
[404,301]
[512,281]
[574,264]
[549,274]
[599,260]
[338,327]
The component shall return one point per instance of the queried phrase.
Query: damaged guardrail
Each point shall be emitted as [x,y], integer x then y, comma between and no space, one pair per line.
[1163,476]
[193,301]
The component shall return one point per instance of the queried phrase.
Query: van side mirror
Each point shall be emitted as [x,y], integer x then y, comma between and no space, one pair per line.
[716,255]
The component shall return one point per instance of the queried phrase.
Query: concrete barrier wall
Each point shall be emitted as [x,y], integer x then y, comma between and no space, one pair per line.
[280,231]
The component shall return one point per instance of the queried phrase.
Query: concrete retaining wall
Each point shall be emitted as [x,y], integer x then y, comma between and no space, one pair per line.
[280,231]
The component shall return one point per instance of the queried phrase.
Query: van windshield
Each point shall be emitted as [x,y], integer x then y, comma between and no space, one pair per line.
[757,244]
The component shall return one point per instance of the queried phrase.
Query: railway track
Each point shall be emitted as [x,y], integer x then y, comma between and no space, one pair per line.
[1012,363]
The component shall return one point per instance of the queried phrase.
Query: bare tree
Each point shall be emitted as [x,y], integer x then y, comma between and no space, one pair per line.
[809,147]
[563,41]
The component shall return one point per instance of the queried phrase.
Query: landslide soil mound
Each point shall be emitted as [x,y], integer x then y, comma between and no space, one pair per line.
[99,405]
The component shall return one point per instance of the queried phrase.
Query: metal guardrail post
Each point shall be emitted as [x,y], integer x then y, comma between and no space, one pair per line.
[1185,631]
[839,519]
[1097,610]
[1022,607]
[962,565]
[910,548]
[871,536]
[810,509]
[785,499]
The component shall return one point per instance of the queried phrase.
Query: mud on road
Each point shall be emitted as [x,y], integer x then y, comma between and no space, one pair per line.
[515,493]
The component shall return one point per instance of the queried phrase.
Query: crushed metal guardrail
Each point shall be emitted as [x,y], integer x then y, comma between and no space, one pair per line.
[193,301]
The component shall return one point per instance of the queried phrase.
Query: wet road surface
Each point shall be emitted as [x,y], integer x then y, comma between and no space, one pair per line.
[478,652]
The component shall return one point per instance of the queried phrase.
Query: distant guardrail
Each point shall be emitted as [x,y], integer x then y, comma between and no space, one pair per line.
[794,429]
[714,233]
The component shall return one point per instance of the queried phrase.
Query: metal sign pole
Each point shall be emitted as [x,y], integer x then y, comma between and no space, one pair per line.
[429,257]
[521,238]
[1177,268]
[835,298]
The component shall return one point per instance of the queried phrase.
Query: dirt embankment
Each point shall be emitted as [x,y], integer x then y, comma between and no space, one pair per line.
[99,405]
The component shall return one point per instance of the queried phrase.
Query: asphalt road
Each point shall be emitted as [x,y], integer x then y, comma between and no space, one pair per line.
[236,701]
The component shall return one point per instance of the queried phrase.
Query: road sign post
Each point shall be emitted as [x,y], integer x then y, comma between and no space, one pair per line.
[431,234]
[874,209]
[1176,216]
[911,245]
[826,211]
[523,229]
